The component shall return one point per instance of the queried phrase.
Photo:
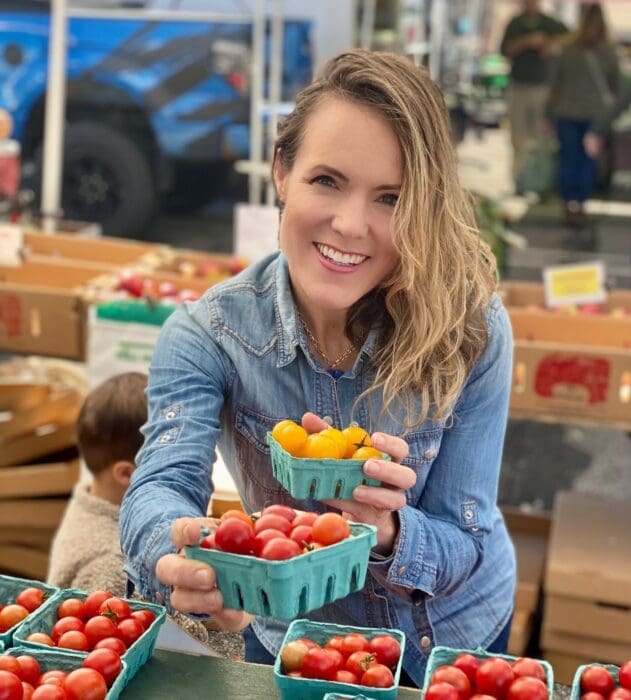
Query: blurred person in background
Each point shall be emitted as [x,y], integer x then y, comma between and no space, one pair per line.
[600,128]
[530,41]
[583,85]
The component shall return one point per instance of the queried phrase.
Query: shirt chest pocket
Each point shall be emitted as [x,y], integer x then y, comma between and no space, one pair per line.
[424,447]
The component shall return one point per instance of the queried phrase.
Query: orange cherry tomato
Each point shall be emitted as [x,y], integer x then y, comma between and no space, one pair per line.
[365,453]
[320,446]
[356,437]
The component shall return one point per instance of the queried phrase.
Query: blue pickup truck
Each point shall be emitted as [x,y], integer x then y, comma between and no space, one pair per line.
[156,111]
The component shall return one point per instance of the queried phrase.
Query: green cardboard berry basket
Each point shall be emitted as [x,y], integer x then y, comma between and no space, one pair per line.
[315,689]
[10,588]
[290,588]
[51,659]
[136,655]
[337,696]
[317,478]
[441,656]
[576,682]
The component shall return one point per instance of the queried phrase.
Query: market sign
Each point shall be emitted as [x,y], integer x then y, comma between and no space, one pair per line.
[10,244]
[582,283]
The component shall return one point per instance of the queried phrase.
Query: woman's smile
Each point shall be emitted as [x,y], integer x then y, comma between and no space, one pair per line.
[338,260]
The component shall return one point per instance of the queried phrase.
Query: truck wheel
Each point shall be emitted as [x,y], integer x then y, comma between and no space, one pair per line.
[107,178]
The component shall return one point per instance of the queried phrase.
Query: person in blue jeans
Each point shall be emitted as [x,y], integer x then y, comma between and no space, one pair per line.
[381,308]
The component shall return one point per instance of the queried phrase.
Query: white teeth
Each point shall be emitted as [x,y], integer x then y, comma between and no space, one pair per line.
[340,258]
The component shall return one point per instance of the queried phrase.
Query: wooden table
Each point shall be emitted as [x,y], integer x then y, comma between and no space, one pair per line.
[172,676]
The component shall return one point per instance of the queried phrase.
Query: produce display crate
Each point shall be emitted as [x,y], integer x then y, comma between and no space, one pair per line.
[317,478]
[441,656]
[137,654]
[50,659]
[570,365]
[313,688]
[576,682]
[10,588]
[290,588]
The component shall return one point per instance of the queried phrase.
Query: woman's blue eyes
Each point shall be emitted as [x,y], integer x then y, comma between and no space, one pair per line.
[327,181]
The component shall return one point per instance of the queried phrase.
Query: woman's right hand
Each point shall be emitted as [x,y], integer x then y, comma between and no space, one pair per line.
[193,583]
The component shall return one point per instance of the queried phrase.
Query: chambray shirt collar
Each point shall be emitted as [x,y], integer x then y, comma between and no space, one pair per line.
[290,332]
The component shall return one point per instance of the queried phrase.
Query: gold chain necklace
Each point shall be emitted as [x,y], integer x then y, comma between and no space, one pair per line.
[331,364]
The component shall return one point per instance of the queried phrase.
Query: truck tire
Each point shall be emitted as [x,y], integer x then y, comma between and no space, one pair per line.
[107,178]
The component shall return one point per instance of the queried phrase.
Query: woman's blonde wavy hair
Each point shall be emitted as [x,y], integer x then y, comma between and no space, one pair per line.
[431,309]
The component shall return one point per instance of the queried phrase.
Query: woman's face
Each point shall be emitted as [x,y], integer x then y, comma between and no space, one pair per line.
[339,199]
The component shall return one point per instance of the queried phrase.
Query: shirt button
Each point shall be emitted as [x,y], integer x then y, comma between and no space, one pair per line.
[425,642]
[165,438]
[468,514]
[474,529]
[402,570]
[428,454]
[170,415]
[328,419]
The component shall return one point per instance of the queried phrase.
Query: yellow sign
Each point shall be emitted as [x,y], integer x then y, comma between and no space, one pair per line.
[574,284]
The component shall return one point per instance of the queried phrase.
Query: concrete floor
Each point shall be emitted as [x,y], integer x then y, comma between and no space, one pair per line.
[539,459]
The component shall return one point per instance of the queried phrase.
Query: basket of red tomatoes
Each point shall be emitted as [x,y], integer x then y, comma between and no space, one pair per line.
[79,621]
[285,562]
[326,464]
[19,598]
[61,674]
[317,658]
[602,682]
[452,674]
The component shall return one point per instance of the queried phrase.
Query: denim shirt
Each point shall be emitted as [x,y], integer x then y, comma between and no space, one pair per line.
[228,367]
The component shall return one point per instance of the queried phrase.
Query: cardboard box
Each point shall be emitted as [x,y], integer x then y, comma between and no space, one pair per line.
[33,480]
[32,446]
[520,633]
[60,407]
[23,561]
[529,532]
[589,555]
[42,308]
[37,538]
[34,513]
[564,665]
[583,646]
[21,396]
[570,366]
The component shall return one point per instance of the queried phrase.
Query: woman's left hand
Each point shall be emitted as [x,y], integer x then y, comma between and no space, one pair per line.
[376,505]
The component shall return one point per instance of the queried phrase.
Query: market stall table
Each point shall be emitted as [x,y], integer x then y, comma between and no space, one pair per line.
[171,675]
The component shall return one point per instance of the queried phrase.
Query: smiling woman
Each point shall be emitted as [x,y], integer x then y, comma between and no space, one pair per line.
[379,308]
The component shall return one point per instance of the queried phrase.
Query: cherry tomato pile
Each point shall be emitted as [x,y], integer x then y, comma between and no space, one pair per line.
[352,658]
[21,678]
[100,621]
[469,678]
[350,443]
[278,533]
[25,602]
[598,684]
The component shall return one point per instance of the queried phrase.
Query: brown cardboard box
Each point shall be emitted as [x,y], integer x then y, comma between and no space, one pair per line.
[521,630]
[589,618]
[589,555]
[586,647]
[570,366]
[60,407]
[564,665]
[27,562]
[33,480]
[529,532]
[32,446]
[34,513]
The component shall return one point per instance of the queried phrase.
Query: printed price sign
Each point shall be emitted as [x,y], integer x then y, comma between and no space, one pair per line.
[582,283]
[256,231]
[10,244]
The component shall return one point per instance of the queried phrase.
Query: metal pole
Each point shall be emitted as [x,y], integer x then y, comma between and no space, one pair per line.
[367,27]
[257,99]
[275,87]
[54,121]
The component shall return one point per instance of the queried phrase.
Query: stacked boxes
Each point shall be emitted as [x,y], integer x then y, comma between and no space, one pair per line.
[587,613]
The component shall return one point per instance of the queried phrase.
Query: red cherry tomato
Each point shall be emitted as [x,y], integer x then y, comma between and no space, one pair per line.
[93,602]
[107,662]
[454,676]
[85,684]
[115,608]
[99,627]
[304,518]
[309,642]
[145,617]
[10,615]
[40,638]
[292,654]
[236,536]
[527,688]
[49,692]
[330,528]
[478,696]
[318,663]
[378,676]
[277,509]
[73,639]
[53,677]
[592,696]
[469,665]
[335,643]
[130,630]
[597,679]
[27,691]
[620,694]
[441,691]
[280,548]
[359,662]
[493,677]
[71,607]
[30,598]
[531,668]
[272,520]
[66,624]
[337,656]
[624,675]
[30,670]
[10,664]
[342,675]
[114,643]
[354,642]
[301,535]
[263,538]
[386,649]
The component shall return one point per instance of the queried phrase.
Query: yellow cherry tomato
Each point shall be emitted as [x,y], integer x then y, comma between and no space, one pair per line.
[320,446]
[356,437]
[365,453]
[338,438]
[290,436]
